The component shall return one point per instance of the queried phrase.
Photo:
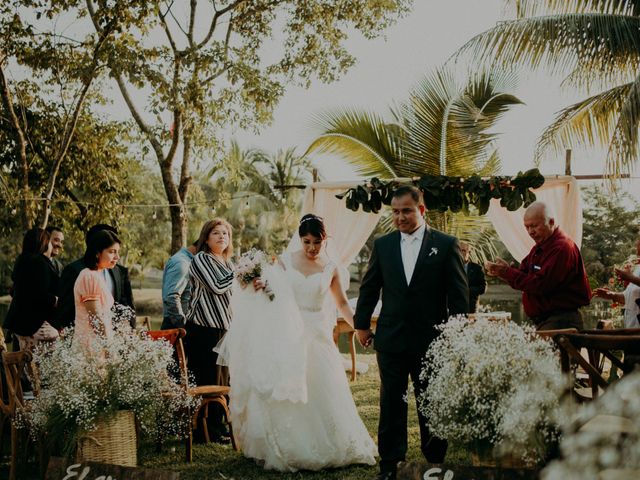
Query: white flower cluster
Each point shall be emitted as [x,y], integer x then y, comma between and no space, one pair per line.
[493,382]
[82,383]
[601,440]
[249,266]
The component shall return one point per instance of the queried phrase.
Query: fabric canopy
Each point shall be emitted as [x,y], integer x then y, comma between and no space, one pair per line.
[348,231]
[561,195]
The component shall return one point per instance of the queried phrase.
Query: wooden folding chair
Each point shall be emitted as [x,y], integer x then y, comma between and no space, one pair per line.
[554,333]
[14,366]
[207,394]
[598,345]
[143,323]
[631,357]
[5,413]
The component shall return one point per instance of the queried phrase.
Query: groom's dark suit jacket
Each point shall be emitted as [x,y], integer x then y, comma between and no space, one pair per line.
[66,313]
[409,313]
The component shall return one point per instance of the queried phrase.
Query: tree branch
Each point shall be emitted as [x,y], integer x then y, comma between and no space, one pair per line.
[214,21]
[192,21]
[21,145]
[225,66]
[175,137]
[146,129]
[170,12]
[71,123]
[185,178]
[77,202]
[165,27]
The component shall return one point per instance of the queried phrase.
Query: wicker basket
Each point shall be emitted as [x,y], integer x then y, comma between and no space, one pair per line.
[112,442]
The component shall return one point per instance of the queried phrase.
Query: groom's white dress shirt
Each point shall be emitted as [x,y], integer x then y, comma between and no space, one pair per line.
[410,248]
[109,282]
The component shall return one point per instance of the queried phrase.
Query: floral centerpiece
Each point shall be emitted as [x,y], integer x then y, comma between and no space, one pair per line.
[601,439]
[493,386]
[82,385]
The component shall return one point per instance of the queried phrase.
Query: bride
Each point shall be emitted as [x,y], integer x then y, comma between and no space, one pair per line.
[291,407]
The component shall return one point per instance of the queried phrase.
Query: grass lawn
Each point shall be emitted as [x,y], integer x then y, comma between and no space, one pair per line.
[214,461]
[222,462]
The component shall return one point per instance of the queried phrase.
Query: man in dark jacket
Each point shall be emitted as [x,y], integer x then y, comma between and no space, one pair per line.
[475,277]
[420,273]
[118,280]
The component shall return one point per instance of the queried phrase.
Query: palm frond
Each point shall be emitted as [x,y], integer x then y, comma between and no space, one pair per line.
[589,122]
[478,232]
[247,201]
[529,8]
[623,150]
[602,41]
[582,78]
[361,138]
[492,166]
[448,124]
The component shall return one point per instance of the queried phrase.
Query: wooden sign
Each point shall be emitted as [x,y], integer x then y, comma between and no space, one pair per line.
[66,469]
[426,471]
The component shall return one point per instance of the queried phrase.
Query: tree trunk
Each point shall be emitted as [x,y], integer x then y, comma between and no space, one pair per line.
[178,227]
[176,206]
[21,151]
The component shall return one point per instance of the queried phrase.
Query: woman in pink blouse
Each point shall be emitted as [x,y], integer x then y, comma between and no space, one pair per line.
[93,299]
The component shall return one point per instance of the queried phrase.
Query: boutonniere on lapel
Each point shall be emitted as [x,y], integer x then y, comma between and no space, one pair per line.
[434,251]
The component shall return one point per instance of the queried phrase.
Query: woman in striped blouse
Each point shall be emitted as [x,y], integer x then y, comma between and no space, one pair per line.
[211,278]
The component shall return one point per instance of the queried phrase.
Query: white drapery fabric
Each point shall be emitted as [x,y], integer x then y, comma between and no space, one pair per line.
[562,196]
[347,230]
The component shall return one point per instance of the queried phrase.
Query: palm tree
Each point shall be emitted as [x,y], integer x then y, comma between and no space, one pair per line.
[245,184]
[442,129]
[594,44]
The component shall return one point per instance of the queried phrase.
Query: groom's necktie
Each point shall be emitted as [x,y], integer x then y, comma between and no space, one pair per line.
[409,249]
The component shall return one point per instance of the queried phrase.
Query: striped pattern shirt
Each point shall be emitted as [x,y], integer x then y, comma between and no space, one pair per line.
[211,279]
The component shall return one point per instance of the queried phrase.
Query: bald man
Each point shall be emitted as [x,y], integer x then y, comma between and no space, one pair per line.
[552,276]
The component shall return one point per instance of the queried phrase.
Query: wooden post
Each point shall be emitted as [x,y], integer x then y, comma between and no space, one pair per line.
[567,162]
[314,172]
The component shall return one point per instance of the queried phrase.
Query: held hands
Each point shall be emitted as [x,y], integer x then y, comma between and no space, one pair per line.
[496,268]
[365,337]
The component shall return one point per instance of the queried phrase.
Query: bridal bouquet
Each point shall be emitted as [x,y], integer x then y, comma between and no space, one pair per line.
[250,266]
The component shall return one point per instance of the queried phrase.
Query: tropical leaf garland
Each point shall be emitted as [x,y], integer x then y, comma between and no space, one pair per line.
[442,192]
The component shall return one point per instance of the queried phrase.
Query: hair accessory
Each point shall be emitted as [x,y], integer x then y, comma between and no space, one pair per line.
[312,217]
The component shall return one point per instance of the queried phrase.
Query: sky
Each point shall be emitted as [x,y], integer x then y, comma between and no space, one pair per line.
[388,67]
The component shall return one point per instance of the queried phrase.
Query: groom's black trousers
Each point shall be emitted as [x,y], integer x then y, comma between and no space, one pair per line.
[395,370]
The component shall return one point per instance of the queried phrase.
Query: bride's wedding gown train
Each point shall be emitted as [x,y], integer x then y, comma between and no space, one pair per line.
[291,406]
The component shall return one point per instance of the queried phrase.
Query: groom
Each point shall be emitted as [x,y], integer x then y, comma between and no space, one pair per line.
[421,275]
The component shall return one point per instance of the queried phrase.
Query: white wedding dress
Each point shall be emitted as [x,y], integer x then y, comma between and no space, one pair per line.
[291,406]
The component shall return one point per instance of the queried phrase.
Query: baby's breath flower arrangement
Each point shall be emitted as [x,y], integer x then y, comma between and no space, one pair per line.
[83,383]
[601,439]
[493,385]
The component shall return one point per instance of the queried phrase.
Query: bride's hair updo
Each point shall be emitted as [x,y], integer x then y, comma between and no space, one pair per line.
[313,225]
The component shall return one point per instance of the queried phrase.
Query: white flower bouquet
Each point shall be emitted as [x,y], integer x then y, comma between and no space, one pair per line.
[81,384]
[601,439]
[251,265]
[495,385]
